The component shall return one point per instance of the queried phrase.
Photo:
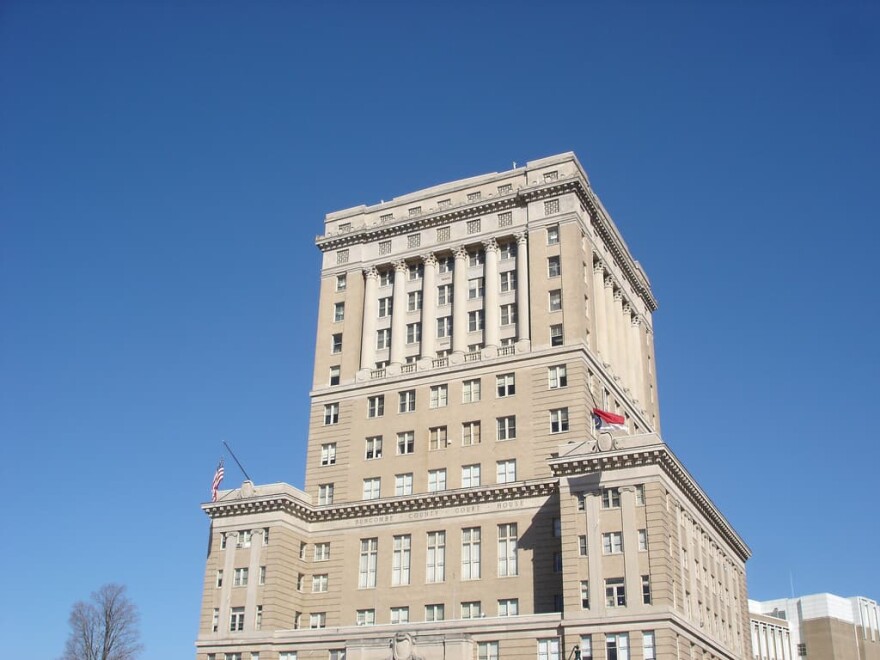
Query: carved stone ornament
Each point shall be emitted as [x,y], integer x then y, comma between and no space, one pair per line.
[490,245]
[403,647]
[400,266]
[598,267]
[522,238]
[461,252]
[371,273]
[609,282]
[430,259]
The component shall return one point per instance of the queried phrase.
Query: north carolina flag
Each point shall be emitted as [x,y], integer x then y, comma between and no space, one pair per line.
[606,421]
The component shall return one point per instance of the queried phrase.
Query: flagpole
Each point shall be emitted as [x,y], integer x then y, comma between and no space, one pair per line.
[234,458]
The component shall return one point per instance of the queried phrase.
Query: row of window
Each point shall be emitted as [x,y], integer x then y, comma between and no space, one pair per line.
[243,538]
[610,497]
[240,577]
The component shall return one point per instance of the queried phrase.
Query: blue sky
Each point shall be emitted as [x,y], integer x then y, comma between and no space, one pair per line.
[165,166]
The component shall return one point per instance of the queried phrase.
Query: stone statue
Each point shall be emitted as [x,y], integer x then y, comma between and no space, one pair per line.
[403,647]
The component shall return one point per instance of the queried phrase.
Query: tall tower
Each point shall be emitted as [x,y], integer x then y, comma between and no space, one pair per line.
[459,499]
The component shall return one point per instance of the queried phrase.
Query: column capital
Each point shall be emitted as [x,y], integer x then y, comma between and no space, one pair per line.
[627,308]
[598,267]
[429,259]
[618,295]
[490,245]
[521,237]
[636,320]
[400,266]
[609,282]
[371,273]
[460,252]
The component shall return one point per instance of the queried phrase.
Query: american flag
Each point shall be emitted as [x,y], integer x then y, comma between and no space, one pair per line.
[218,477]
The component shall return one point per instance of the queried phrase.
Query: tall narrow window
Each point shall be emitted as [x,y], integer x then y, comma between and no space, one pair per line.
[470,434]
[328,453]
[548,649]
[401,559]
[376,406]
[470,391]
[367,563]
[617,646]
[506,427]
[407,401]
[405,443]
[559,420]
[649,652]
[439,396]
[646,589]
[553,267]
[470,553]
[615,592]
[556,335]
[585,594]
[507,550]
[435,570]
[374,448]
[557,377]
[331,414]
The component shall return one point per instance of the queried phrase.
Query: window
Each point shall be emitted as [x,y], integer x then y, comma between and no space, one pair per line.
[414,211]
[475,320]
[244,539]
[322,551]
[470,553]
[232,656]
[403,484]
[406,443]
[334,375]
[435,612]
[556,335]
[548,649]
[551,206]
[414,301]
[384,247]
[331,414]
[555,300]
[240,577]
[476,258]
[615,592]
[505,385]
[506,427]
[413,241]
[582,545]
[557,377]
[435,569]
[439,396]
[401,559]
[341,282]
[559,420]
[508,607]
[338,312]
[319,583]
[617,646]
[437,438]
[648,650]
[471,610]
[386,277]
[553,235]
[386,217]
[505,219]
[336,654]
[328,454]
[342,257]
[219,578]
[376,406]
[643,540]
[646,589]
[262,575]
[473,226]
[384,307]
[557,563]
[475,288]
[612,543]
[413,333]
[508,314]
[445,264]
[318,620]
[586,647]
[383,338]
[470,475]
[300,582]
[610,498]
[470,391]
[442,234]
[287,655]
[474,196]
[551,176]
[470,434]
[236,619]
[506,471]
[444,327]
[444,203]
[325,494]
[507,550]
[582,502]
[436,480]
[640,494]
[508,281]
[366,617]
[406,401]
[215,620]
[444,294]
[553,267]
[372,488]
[399,615]
[373,448]
[507,250]
[505,189]
[336,343]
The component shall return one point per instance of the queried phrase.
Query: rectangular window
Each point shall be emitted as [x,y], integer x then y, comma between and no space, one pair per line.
[470,553]
[442,234]
[372,488]
[373,447]
[508,314]
[507,550]
[649,652]
[553,267]
[474,196]
[328,453]
[413,240]
[646,589]
[236,619]
[341,282]
[553,235]
[556,335]
[505,189]
[401,560]
[335,375]
[612,543]
[557,377]
[445,264]
[413,333]
[436,480]
[548,649]
[473,226]
[338,312]
[551,176]
[471,610]
[437,438]
[435,612]
[643,540]
[414,211]
[444,204]
[505,219]
[331,414]
[585,594]
[376,406]
[414,301]
[384,307]
[319,583]
[508,281]
[508,607]
[506,471]
[325,494]
[262,575]
[444,294]
[559,420]
[342,257]
[386,277]
[317,620]
[506,427]
[475,288]
[240,577]
[610,498]
[336,343]
[551,206]
[406,401]
[435,568]
[215,620]
[582,545]
[617,646]
[406,443]
[383,338]
[367,563]
[615,592]
[586,647]
[439,396]
[470,475]
[556,300]
[470,434]
[322,551]
[244,539]
[403,484]
[384,247]
[444,327]
[505,385]
[470,391]
[640,494]
[475,320]
[507,250]
[386,217]
[476,258]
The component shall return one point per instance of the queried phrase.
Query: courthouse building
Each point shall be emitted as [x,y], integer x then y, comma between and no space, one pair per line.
[460,502]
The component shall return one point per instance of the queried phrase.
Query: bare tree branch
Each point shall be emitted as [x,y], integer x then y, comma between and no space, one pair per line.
[106,628]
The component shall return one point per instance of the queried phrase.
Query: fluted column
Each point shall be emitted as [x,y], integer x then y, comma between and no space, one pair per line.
[637,358]
[626,320]
[599,307]
[429,306]
[522,287]
[491,284]
[622,339]
[368,334]
[398,313]
[459,302]
[611,317]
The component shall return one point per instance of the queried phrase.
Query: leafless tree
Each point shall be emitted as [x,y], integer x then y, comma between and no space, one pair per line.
[105,628]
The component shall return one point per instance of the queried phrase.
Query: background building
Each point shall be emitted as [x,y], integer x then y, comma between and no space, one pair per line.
[458,496]
[823,627]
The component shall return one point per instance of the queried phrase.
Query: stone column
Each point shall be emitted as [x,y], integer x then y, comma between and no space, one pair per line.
[611,318]
[398,313]
[491,285]
[459,301]
[631,572]
[620,306]
[368,334]
[599,306]
[522,287]
[429,306]
[637,359]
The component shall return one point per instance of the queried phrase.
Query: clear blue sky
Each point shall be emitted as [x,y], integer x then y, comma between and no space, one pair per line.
[164,167]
